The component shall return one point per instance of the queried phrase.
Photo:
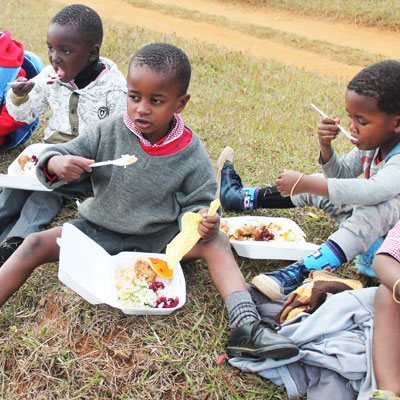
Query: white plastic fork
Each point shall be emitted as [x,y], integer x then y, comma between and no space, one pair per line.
[347,134]
[123,161]
[53,77]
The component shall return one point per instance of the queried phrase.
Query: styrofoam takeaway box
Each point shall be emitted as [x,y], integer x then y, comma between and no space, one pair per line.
[14,178]
[89,270]
[270,250]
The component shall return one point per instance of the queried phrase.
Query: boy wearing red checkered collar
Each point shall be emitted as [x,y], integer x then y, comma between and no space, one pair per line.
[140,207]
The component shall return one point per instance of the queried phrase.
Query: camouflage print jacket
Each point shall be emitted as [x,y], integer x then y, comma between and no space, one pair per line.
[72,110]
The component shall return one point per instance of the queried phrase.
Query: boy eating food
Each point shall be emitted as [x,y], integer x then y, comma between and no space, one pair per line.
[81,88]
[140,208]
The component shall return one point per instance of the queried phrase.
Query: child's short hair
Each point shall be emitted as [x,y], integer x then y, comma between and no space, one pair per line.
[164,57]
[84,18]
[380,81]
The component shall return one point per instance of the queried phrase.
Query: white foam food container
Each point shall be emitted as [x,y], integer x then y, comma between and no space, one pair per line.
[270,250]
[15,178]
[90,271]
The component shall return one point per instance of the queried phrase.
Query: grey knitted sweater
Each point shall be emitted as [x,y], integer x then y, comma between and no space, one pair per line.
[381,183]
[148,197]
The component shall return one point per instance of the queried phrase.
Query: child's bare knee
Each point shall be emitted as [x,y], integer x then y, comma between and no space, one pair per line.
[219,243]
[34,243]
[220,239]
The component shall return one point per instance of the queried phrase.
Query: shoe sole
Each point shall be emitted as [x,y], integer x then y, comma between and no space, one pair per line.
[226,155]
[277,352]
[268,287]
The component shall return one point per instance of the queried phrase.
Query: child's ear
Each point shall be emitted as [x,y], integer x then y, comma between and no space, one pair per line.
[397,124]
[94,52]
[182,101]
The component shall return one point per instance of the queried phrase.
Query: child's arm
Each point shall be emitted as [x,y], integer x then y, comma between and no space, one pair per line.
[208,228]
[387,269]
[327,131]
[23,88]
[293,182]
[349,166]
[379,188]
[27,101]
[387,260]
[68,167]
[385,346]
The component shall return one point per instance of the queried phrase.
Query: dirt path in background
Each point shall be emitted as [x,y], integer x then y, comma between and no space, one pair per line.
[368,39]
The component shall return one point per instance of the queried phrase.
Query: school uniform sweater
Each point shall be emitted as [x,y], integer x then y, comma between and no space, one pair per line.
[380,183]
[148,197]
[366,208]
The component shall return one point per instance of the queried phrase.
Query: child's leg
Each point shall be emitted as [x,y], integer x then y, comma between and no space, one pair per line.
[386,343]
[222,265]
[251,337]
[279,283]
[37,212]
[11,203]
[37,249]
[366,224]
[234,197]
[355,236]
[227,278]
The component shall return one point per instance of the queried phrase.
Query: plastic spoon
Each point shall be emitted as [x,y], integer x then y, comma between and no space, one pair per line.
[123,161]
[52,78]
[347,134]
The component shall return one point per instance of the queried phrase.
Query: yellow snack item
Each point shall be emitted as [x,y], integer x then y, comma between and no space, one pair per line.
[160,267]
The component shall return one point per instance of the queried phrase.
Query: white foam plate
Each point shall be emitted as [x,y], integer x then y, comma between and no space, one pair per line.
[89,270]
[273,250]
[14,178]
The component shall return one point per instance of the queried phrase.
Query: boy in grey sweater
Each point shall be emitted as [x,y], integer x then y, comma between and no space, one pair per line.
[140,207]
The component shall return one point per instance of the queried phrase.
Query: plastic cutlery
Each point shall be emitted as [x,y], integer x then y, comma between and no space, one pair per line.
[348,135]
[123,161]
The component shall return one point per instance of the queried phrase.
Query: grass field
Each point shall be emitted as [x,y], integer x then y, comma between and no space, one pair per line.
[54,345]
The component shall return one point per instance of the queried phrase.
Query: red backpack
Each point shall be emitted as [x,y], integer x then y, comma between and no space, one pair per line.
[13,58]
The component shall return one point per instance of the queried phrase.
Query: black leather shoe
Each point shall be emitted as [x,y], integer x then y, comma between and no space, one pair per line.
[8,247]
[259,339]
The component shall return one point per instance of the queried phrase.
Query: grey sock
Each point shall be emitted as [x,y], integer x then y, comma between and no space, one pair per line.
[241,309]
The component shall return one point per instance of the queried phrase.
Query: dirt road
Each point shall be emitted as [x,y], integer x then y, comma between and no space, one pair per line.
[371,40]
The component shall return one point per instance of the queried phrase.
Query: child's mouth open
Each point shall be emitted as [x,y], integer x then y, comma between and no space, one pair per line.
[142,123]
[60,73]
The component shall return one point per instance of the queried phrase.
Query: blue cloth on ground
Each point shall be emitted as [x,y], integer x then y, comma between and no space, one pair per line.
[364,261]
[335,342]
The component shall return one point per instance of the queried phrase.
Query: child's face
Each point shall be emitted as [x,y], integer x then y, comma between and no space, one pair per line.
[373,128]
[153,98]
[68,51]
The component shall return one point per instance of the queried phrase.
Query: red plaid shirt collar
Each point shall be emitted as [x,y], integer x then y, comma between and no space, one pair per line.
[175,131]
